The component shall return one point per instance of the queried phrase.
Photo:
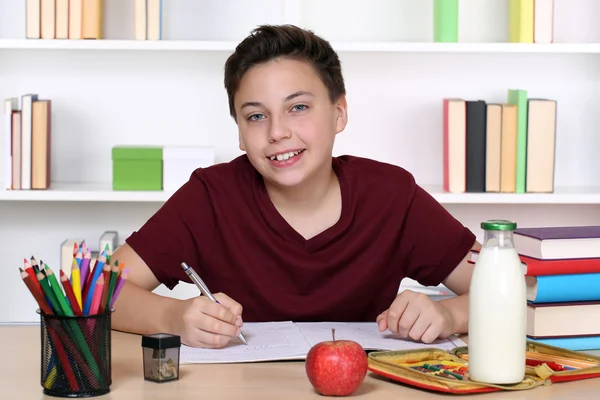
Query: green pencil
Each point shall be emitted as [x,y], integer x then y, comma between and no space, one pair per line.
[60,296]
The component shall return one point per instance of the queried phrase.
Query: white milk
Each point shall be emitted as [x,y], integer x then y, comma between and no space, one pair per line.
[497,317]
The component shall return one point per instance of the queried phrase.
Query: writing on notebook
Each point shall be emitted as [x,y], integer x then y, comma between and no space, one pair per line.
[272,341]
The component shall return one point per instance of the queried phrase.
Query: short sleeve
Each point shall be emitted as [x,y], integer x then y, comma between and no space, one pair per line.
[434,242]
[176,232]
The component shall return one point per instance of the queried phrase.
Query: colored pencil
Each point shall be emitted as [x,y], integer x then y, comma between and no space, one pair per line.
[64,279]
[121,279]
[97,295]
[75,283]
[36,291]
[49,293]
[106,300]
[58,292]
[88,293]
[84,270]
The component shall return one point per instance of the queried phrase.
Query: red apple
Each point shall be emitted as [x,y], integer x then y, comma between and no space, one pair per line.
[336,367]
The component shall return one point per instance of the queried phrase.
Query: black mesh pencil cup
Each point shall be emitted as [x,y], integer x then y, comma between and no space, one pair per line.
[76,355]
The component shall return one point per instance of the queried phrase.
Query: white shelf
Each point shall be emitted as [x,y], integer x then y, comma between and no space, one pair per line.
[399,47]
[98,192]
[566,195]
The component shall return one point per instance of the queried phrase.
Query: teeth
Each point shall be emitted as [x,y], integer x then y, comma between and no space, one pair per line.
[285,156]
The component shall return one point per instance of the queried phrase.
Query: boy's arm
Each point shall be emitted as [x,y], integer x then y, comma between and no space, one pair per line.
[137,309]
[199,321]
[459,281]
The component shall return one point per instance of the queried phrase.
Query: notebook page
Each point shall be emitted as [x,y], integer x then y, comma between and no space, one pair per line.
[267,341]
[366,334]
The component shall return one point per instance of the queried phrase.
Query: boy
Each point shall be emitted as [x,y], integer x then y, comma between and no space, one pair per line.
[288,232]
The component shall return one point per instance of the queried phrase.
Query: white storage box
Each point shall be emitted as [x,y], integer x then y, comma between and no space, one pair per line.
[180,162]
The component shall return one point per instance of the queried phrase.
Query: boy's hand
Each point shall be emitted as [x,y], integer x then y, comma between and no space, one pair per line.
[415,316]
[203,323]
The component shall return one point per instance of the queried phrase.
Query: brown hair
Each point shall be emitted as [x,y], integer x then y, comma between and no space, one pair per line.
[268,42]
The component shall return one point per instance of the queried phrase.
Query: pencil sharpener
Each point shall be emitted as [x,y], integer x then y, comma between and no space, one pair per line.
[161,357]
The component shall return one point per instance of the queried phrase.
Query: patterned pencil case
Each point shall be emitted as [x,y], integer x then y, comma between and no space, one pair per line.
[442,371]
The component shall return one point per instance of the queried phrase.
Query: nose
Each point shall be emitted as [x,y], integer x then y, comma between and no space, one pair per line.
[278,130]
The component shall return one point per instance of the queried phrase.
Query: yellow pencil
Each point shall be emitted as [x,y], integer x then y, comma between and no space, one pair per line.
[76,282]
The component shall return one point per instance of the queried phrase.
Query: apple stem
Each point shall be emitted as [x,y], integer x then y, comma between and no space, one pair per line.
[333,333]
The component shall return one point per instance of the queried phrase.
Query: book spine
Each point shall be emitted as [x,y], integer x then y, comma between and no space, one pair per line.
[445,21]
[518,97]
[567,288]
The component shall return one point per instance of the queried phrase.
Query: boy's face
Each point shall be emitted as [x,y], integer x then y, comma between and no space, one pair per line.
[286,121]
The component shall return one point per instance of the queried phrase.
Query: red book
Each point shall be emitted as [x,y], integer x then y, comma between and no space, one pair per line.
[537,267]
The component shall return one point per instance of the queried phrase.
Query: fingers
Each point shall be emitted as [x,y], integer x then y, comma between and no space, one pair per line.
[382,321]
[235,307]
[413,316]
[209,324]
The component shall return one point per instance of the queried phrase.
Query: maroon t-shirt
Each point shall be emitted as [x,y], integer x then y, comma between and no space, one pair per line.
[223,224]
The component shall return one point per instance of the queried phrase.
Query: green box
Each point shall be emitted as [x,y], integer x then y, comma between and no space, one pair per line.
[137,168]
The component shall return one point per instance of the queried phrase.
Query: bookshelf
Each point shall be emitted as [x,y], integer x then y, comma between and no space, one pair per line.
[119,91]
[341,47]
[98,192]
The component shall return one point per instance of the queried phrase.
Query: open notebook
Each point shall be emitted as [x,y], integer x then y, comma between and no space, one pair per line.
[272,341]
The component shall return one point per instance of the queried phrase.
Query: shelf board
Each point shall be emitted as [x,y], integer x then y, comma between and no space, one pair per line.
[77,192]
[564,195]
[98,192]
[229,46]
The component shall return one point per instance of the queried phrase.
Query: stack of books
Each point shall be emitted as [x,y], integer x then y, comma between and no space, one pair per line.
[27,131]
[563,284]
[506,147]
[63,19]
[562,272]
[529,21]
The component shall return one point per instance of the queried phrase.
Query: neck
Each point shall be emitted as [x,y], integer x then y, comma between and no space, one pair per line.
[310,195]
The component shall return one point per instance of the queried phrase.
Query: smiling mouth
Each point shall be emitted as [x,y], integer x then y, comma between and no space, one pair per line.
[285,156]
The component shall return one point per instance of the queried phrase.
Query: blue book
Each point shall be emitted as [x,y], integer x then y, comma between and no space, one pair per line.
[563,288]
[577,343]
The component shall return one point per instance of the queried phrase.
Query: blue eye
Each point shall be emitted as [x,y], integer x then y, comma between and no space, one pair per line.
[255,117]
[299,107]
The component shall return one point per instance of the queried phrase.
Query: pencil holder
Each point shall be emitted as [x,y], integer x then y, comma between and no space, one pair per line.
[76,355]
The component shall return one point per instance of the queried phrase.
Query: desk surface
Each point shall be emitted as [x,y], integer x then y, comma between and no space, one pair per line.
[274,380]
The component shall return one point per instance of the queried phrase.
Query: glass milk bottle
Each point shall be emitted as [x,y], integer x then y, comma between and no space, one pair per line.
[497,309]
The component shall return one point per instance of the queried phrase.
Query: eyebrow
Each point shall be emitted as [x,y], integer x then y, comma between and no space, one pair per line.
[288,98]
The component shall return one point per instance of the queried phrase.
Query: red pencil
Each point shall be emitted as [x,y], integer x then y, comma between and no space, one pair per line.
[64,279]
[36,292]
[39,297]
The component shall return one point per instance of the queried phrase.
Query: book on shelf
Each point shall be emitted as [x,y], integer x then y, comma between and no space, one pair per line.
[531,21]
[63,19]
[499,147]
[445,20]
[28,132]
[147,19]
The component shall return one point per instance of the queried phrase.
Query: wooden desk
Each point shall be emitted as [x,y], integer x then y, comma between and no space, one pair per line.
[277,380]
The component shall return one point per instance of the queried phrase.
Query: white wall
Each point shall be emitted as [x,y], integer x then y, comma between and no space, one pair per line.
[109,97]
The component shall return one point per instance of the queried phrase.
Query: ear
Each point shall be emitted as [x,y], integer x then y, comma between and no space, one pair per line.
[241,142]
[341,107]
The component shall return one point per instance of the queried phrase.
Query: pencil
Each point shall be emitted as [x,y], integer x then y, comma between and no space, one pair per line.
[90,286]
[106,276]
[49,294]
[64,279]
[111,288]
[121,279]
[97,295]
[84,270]
[36,291]
[60,296]
[75,282]
[204,290]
